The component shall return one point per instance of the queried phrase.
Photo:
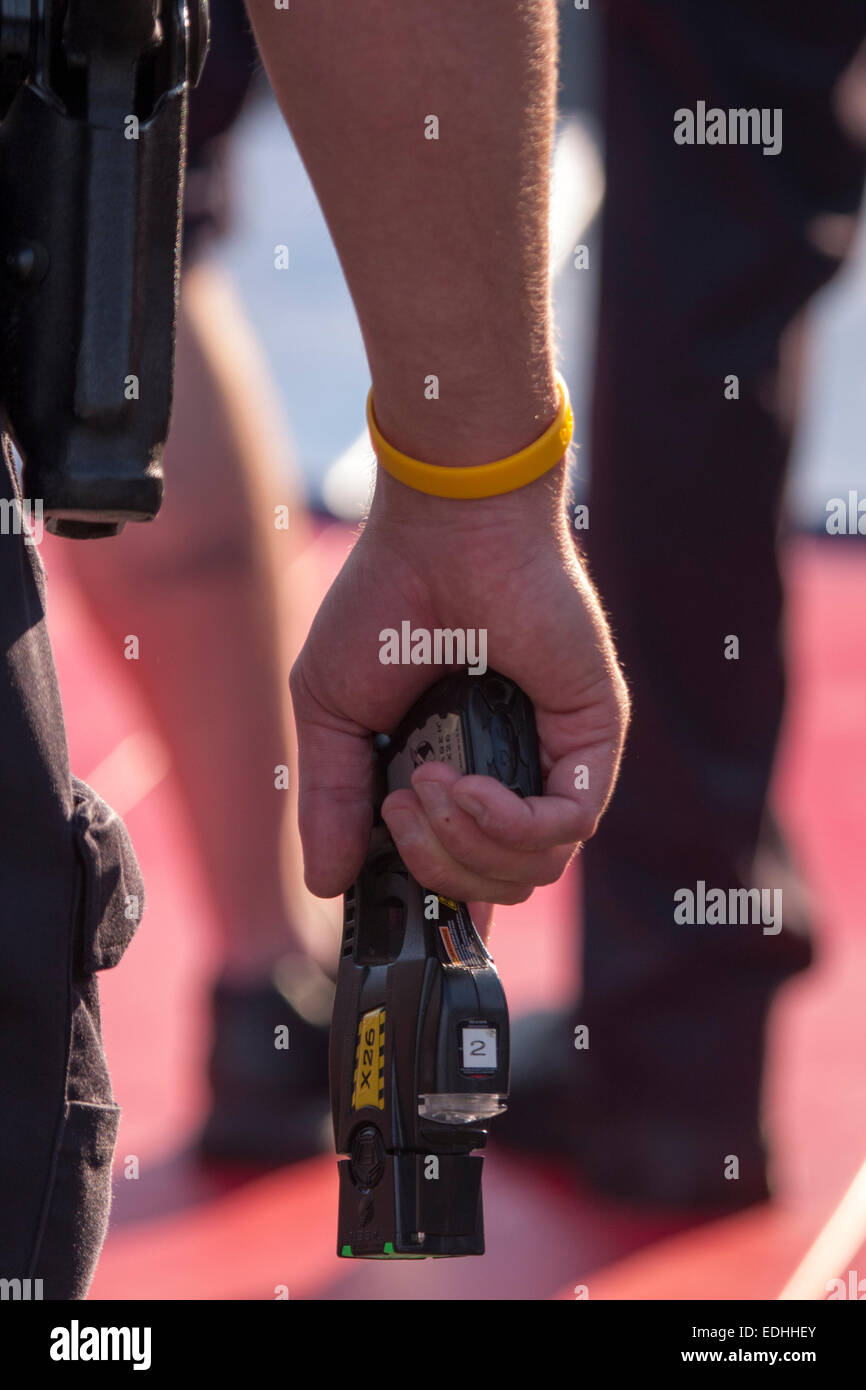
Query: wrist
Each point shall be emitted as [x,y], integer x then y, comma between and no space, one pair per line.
[537,506]
[483,417]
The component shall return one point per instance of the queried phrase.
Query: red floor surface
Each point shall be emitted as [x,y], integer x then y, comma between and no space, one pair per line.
[180,1233]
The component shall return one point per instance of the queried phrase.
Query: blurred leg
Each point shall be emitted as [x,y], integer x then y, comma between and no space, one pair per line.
[707,260]
[199,587]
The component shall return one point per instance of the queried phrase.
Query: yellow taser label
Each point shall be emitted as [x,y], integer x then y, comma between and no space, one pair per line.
[368,1087]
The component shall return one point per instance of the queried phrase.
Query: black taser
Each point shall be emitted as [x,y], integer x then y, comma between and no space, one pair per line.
[419,1035]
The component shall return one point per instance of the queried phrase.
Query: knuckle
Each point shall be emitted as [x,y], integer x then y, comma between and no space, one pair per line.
[550,872]
[427,868]
[446,884]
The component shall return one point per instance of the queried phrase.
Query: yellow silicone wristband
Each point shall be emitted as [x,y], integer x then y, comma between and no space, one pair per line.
[482,479]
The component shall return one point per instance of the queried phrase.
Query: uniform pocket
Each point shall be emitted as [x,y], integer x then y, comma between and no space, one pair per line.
[80,1201]
[112,891]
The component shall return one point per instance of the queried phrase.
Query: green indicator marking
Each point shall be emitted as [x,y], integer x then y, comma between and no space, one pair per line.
[346,1250]
[388,1249]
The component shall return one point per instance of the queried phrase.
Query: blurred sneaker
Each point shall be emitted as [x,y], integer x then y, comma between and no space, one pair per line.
[269,1067]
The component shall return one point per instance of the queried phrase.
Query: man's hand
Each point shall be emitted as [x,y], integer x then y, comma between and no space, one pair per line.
[427,132]
[506,564]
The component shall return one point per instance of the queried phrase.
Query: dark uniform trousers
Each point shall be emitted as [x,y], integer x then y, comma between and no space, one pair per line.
[70,899]
[708,255]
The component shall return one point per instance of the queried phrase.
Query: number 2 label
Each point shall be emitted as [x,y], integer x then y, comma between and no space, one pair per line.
[479,1048]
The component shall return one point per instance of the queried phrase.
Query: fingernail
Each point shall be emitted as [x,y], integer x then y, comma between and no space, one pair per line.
[434,796]
[472,807]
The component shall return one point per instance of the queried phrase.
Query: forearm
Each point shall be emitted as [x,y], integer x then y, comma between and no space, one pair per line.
[444,243]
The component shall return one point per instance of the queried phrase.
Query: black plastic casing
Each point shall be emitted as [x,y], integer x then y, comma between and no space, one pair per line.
[90,251]
[410,1185]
